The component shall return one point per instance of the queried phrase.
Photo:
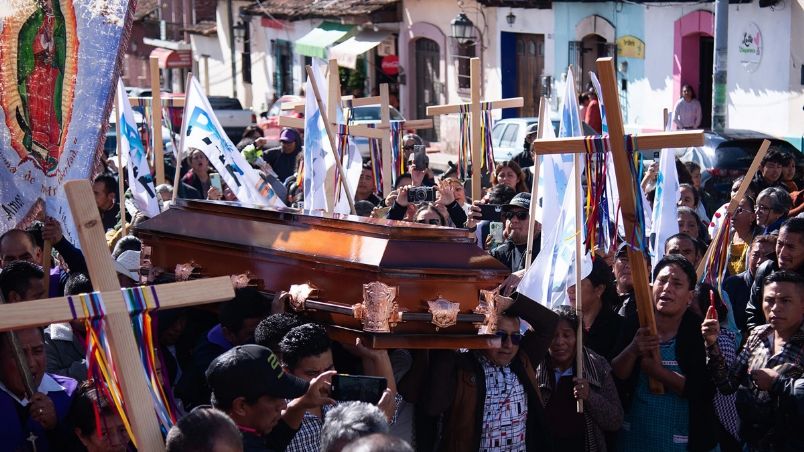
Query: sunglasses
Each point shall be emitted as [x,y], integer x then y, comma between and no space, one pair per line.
[522,215]
[516,338]
[434,221]
[408,148]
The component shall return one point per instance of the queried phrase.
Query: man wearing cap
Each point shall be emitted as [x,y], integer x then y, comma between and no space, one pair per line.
[249,385]
[516,217]
[283,158]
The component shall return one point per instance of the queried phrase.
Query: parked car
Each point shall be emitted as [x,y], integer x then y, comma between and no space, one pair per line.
[269,120]
[727,155]
[230,113]
[508,135]
[370,114]
[110,145]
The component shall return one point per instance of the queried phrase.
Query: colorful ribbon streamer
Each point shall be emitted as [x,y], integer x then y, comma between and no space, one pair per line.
[375,150]
[397,155]
[464,142]
[596,202]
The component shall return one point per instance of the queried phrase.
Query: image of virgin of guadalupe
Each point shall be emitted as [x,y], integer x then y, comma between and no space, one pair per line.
[41,54]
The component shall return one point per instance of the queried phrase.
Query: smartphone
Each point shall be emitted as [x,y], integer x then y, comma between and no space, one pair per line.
[361,388]
[491,212]
[496,232]
[215,181]
[420,158]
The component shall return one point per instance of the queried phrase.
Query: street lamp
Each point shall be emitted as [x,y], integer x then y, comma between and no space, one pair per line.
[240,31]
[510,18]
[462,29]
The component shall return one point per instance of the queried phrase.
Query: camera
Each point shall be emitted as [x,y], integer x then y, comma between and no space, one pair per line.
[421,194]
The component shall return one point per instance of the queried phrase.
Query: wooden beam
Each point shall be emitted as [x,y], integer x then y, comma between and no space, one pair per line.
[385,145]
[639,269]
[290,121]
[118,327]
[57,310]
[735,200]
[514,102]
[166,102]
[534,189]
[477,149]
[156,113]
[647,142]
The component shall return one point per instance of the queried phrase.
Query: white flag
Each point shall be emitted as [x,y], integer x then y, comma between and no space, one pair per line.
[132,154]
[203,131]
[665,205]
[553,271]
[316,146]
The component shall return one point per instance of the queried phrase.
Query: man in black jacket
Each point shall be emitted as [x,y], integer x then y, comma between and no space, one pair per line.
[789,256]
[739,286]
[516,217]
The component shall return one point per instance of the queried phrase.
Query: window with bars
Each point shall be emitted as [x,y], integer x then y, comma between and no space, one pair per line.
[463,53]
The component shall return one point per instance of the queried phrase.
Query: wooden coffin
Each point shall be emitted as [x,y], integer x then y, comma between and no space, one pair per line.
[344,257]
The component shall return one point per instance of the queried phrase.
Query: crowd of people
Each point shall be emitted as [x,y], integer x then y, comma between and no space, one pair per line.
[252,376]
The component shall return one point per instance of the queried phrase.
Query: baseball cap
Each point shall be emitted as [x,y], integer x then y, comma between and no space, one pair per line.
[251,371]
[288,135]
[519,200]
[622,250]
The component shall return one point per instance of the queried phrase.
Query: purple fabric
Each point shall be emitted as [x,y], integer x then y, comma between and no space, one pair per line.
[13,432]
[215,336]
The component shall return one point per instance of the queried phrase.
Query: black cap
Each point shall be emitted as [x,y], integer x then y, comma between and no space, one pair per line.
[622,250]
[519,200]
[251,371]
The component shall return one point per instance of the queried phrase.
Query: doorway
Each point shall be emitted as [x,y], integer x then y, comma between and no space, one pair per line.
[428,57]
[706,68]
[529,68]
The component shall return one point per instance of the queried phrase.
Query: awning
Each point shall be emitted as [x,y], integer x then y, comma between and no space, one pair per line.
[173,59]
[346,52]
[315,43]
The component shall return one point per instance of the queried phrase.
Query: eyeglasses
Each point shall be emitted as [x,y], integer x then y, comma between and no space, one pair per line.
[516,338]
[521,215]
[434,221]
[408,148]
[760,208]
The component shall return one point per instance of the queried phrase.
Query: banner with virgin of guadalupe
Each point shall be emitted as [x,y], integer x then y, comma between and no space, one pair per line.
[59,61]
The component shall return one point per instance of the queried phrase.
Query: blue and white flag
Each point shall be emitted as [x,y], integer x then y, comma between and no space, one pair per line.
[316,146]
[201,130]
[665,205]
[553,270]
[132,155]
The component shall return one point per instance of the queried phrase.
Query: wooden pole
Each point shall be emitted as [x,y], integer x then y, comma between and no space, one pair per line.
[331,136]
[534,189]
[578,270]
[118,326]
[477,151]
[46,256]
[735,201]
[156,117]
[177,174]
[385,149]
[19,357]
[639,269]
[121,188]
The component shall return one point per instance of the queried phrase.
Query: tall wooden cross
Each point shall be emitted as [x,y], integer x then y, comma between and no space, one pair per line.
[125,354]
[476,106]
[577,145]
[380,132]
[157,102]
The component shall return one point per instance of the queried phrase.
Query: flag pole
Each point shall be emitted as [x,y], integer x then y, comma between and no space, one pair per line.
[46,258]
[578,271]
[177,173]
[330,135]
[534,189]
[120,182]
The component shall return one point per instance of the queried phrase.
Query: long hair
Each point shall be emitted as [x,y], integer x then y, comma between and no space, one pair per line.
[521,185]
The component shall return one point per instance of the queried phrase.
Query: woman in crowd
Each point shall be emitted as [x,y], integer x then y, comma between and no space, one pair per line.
[771,209]
[510,174]
[90,402]
[789,177]
[687,112]
[429,214]
[598,301]
[744,225]
[690,197]
[198,176]
[767,374]
[690,223]
[728,423]
[683,417]
[561,390]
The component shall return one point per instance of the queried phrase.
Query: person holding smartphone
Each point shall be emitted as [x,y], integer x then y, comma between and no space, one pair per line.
[306,354]
[516,219]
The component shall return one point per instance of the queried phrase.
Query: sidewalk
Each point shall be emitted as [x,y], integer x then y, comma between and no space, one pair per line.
[438,159]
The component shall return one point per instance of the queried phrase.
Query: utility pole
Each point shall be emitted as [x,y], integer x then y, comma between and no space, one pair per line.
[232,50]
[719,91]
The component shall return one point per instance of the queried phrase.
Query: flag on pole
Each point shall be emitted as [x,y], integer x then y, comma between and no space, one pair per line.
[665,205]
[316,146]
[553,271]
[132,155]
[203,131]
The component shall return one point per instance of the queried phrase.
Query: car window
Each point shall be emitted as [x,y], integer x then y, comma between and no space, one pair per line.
[509,136]
[497,133]
[275,109]
[224,103]
[396,115]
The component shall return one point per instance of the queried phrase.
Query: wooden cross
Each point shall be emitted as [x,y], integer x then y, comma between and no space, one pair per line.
[475,112]
[156,133]
[118,323]
[380,132]
[577,145]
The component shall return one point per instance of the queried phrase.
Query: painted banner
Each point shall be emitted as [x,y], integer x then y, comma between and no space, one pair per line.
[58,63]
[133,156]
[202,131]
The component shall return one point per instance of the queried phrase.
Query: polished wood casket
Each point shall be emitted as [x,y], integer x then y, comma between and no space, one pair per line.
[395,284]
